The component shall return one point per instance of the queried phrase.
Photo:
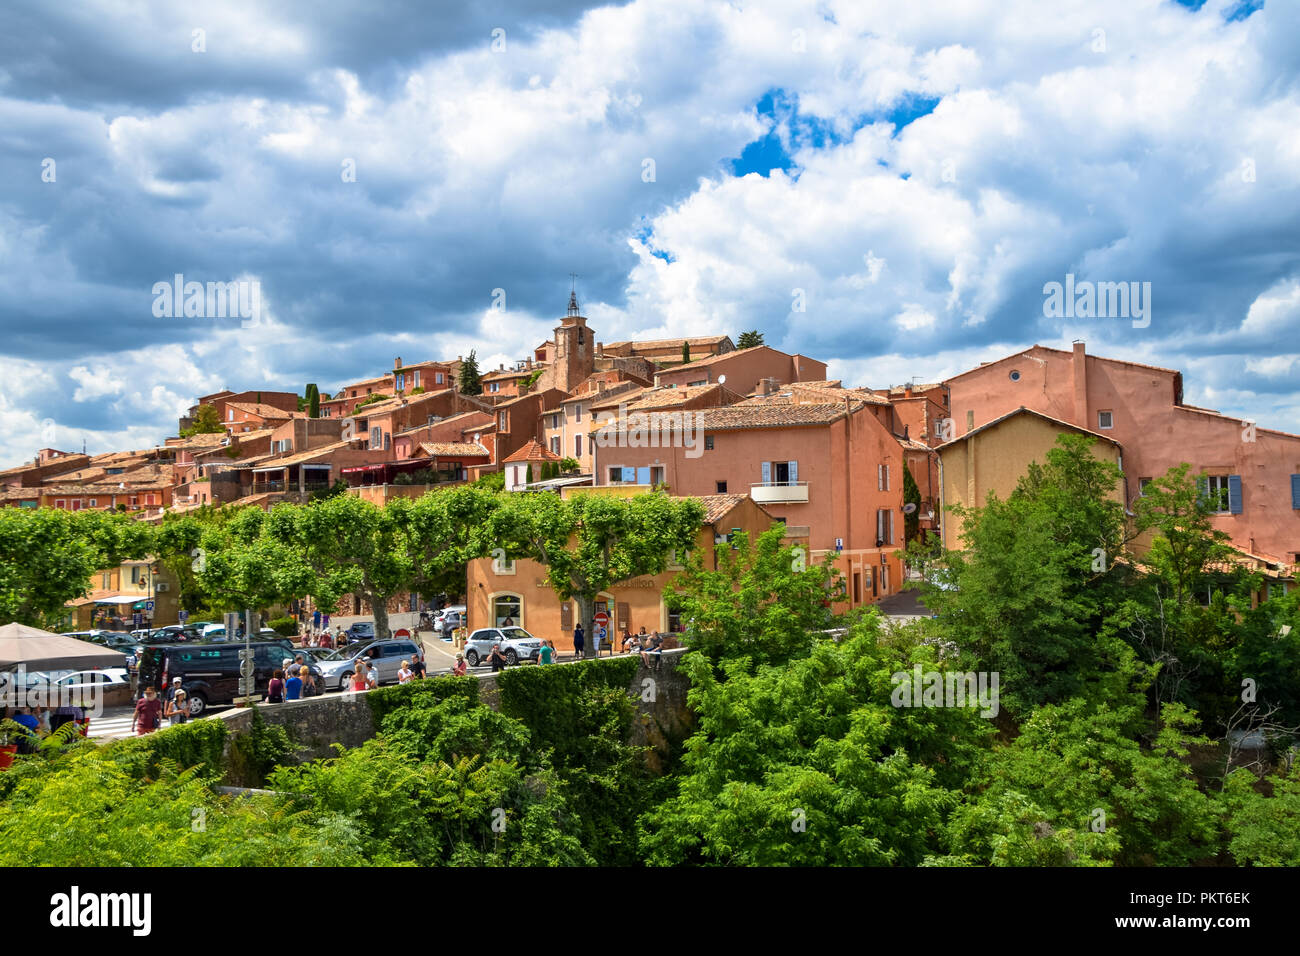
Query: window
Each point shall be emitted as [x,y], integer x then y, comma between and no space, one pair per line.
[1105,419]
[675,622]
[857,587]
[105,581]
[703,381]
[884,578]
[882,477]
[577,446]
[1142,486]
[135,574]
[656,476]
[93,503]
[503,419]
[577,412]
[60,503]
[401,381]
[415,379]
[679,558]
[884,527]
[438,378]
[1223,492]
[376,437]
[1295,491]
[708,443]
[494,387]
[507,607]
[970,421]
[722,487]
[780,472]
[1014,376]
[503,565]
[555,445]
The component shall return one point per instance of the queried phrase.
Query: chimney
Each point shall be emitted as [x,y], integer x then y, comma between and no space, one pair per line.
[907,390]
[397,362]
[1079,372]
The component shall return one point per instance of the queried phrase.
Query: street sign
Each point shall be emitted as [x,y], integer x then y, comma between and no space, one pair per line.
[247,654]
[246,668]
[148,605]
[138,618]
[183,615]
[600,619]
[402,632]
[246,686]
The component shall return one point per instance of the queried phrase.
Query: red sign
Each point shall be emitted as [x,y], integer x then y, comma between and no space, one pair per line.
[402,632]
[600,619]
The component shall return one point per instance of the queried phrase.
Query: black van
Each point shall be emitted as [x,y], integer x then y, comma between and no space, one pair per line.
[209,673]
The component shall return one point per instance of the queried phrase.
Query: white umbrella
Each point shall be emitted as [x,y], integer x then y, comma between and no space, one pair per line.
[44,650]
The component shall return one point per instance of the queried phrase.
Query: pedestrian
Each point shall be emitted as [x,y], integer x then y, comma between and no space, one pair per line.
[171,692]
[417,666]
[459,667]
[178,708]
[496,658]
[546,654]
[309,688]
[577,639]
[404,673]
[293,687]
[359,681]
[315,620]
[372,676]
[148,712]
[325,619]
[275,687]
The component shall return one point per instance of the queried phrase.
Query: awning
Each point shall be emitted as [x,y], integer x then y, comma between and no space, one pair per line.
[120,600]
[43,650]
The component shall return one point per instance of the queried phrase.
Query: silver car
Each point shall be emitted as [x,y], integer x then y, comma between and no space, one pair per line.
[516,644]
[385,657]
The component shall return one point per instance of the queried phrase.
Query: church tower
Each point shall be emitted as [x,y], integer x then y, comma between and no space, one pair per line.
[575,348]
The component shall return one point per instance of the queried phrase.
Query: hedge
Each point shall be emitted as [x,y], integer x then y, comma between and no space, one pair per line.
[546,699]
[284,626]
[384,700]
[198,743]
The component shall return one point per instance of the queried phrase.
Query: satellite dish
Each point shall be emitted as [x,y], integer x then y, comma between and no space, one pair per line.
[722,380]
[909,508]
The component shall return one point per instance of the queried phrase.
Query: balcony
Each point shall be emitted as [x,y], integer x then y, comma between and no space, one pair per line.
[779,492]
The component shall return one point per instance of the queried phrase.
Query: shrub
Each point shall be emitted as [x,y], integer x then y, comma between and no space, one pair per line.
[284,626]
[199,743]
[384,700]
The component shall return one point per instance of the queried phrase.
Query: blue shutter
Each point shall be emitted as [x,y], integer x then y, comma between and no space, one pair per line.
[1234,494]
[767,472]
[643,475]
[1295,491]
[629,474]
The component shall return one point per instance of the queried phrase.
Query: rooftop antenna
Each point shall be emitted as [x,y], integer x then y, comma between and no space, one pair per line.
[573,293]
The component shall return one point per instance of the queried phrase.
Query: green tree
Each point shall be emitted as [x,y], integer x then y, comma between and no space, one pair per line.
[749,340]
[764,601]
[809,763]
[568,465]
[1039,571]
[206,422]
[686,352]
[48,557]
[343,545]
[313,401]
[911,495]
[442,532]
[591,542]
[470,381]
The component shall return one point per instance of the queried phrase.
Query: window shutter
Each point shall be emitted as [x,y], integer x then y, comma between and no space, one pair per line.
[767,472]
[1295,491]
[890,539]
[566,616]
[1234,494]
[643,474]
[624,615]
[880,477]
[794,472]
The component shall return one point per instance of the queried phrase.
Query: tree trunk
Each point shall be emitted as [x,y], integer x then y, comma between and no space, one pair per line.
[379,604]
[586,611]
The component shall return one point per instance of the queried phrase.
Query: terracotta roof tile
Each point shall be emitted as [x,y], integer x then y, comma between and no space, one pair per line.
[459,448]
[533,451]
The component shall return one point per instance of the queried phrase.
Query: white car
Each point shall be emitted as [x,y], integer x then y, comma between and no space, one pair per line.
[516,644]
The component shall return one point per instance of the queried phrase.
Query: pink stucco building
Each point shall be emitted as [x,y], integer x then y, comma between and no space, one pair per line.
[1253,472]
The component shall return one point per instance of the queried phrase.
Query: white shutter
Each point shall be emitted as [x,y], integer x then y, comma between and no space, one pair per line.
[880,479]
[767,472]
[794,471]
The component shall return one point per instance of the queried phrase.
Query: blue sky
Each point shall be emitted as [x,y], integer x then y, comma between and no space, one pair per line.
[912,173]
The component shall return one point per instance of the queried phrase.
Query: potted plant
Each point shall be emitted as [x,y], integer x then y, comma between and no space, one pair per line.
[10,731]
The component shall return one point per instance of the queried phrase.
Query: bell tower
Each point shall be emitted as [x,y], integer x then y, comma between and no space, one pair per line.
[575,347]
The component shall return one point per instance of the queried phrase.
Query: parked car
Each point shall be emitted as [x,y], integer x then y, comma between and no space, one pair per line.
[113,683]
[449,619]
[361,631]
[516,644]
[210,672]
[385,656]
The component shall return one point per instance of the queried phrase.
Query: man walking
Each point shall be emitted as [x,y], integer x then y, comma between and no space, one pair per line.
[577,639]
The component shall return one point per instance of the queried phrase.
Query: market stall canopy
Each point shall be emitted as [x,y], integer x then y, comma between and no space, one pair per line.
[43,650]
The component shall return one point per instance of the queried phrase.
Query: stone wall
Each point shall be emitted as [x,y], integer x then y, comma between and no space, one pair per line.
[663,722]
